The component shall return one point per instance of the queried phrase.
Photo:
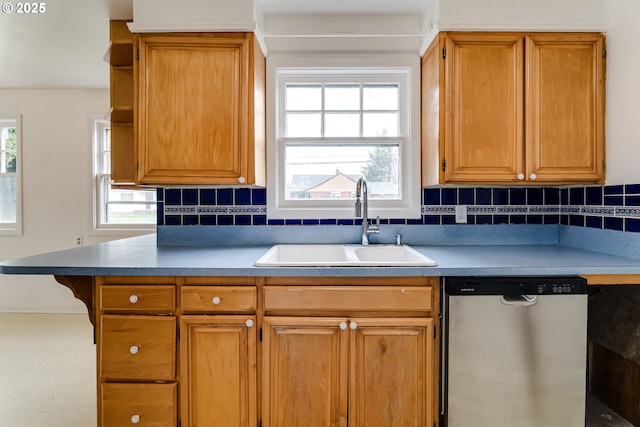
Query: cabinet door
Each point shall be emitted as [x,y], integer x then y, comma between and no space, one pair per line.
[195,119]
[392,377]
[218,371]
[565,108]
[145,405]
[483,130]
[304,372]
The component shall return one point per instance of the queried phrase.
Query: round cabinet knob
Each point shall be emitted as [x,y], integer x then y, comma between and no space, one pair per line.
[249,323]
[533,177]
[135,419]
[134,349]
[353,325]
[343,325]
[133,299]
[241,179]
[216,300]
[520,177]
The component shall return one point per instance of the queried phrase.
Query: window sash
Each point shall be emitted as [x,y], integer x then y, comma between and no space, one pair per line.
[10,179]
[343,208]
[105,209]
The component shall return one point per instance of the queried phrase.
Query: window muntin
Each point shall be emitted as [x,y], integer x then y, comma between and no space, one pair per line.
[10,183]
[377,106]
[342,110]
[118,207]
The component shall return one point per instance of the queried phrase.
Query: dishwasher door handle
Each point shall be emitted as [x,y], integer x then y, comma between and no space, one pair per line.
[520,300]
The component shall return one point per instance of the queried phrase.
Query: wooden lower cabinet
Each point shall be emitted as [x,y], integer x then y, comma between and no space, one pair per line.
[269,352]
[218,371]
[148,405]
[347,372]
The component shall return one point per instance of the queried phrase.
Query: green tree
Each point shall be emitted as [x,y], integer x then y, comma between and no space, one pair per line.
[10,145]
[380,166]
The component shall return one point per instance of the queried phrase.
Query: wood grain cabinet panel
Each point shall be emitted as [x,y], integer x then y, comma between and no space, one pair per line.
[513,108]
[147,405]
[565,108]
[348,298]
[304,372]
[138,299]
[391,380]
[363,372]
[218,371]
[137,347]
[201,109]
[219,299]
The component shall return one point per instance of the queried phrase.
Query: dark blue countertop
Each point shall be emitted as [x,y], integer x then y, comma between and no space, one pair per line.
[535,252]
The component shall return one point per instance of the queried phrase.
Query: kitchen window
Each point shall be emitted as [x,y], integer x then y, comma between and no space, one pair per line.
[10,178]
[117,206]
[335,125]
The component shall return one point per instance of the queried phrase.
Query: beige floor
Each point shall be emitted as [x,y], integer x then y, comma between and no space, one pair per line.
[47,370]
[47,373]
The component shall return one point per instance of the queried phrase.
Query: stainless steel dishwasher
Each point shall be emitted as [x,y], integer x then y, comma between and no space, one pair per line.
[514,351]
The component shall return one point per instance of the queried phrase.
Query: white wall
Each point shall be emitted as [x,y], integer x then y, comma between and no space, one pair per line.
[623,92]
[518,15]
[56,188]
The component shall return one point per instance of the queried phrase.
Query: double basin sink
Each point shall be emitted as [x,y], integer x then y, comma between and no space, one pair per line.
[329,255]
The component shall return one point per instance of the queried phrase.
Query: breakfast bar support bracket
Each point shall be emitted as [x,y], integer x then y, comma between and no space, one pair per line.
[82,288]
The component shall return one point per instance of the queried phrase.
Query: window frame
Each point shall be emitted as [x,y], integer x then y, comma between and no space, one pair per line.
[401,69]
[101,183]
[15,228]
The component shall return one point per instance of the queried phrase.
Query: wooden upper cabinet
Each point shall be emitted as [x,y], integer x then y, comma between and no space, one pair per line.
[484,109]
[201,109]
[120,57]
[513,107]
[565,108]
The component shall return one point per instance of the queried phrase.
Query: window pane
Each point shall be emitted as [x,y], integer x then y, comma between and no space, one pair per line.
[8,146]
[303,98]
[331,172]
[344,125]
[380,124]
[8,161]
[7,199]
[301,124]
[342,98]
[130,207]
[380,97]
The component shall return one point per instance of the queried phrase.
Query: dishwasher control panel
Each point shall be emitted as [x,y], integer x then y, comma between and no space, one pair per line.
[525,285]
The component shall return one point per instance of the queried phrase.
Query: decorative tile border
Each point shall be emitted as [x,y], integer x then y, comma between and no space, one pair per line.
[614,207]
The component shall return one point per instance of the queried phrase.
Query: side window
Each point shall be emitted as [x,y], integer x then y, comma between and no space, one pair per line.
[10,177]
[335,126]
[117,207]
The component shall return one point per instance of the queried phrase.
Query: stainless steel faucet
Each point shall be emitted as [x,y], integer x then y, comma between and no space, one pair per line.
[362,211]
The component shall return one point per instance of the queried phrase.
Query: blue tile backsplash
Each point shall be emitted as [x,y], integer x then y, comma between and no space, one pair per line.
[614,207]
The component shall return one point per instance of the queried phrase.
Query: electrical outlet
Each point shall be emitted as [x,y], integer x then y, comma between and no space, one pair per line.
[461,214]
[80,241]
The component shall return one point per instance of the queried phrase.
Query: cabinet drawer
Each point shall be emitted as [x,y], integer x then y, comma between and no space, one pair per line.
[348,298]
[219,299]
[147,405]
[137,347]
[151,298]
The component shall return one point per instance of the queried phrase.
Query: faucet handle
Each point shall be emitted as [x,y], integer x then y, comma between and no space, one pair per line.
[375,228]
